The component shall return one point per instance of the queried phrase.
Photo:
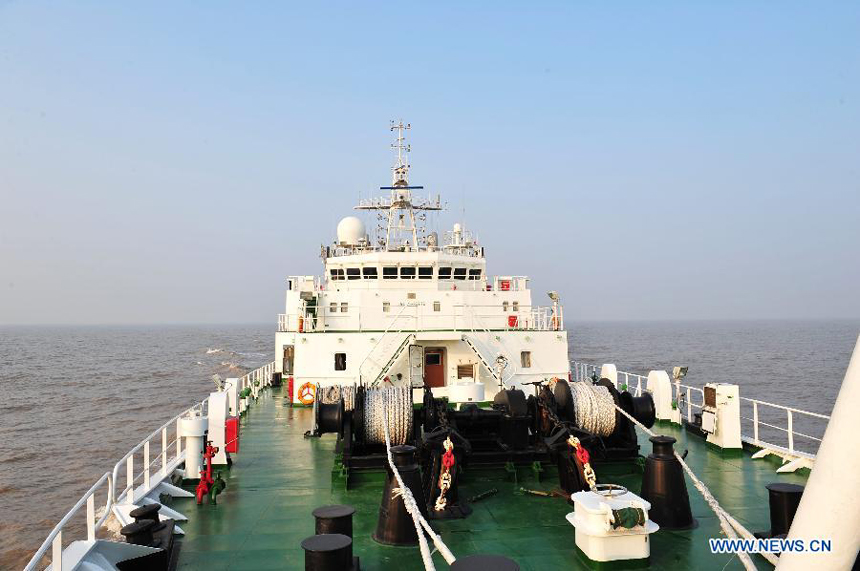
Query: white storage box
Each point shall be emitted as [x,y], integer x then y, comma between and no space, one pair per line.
[595,536]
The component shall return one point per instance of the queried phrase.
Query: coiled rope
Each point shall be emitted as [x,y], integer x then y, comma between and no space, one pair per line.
[731,527]
[421,525]
[594,408]
[384,406]
[333,394]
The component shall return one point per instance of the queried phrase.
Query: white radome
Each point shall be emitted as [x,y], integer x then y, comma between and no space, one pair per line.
[350,230]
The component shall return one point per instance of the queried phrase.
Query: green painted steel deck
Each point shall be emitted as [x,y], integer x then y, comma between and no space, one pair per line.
[279,477]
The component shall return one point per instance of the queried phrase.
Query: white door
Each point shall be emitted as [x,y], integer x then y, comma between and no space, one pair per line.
[416,365]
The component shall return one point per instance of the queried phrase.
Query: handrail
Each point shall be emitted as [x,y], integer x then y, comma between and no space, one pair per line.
[582,369]
[55,538]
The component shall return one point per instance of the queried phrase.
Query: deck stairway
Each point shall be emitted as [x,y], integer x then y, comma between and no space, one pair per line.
[393,360]
[474,347]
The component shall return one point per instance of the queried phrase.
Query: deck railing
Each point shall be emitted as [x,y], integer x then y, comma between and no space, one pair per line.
[764,415]
[155,457]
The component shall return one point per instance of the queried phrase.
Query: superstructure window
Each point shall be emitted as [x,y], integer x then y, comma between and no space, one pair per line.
[344,307]
[444,273]
[474,274]
[336,273]
[526,359]
[515,306]
[410,295]
[425,272]
[353,273]
[505,306]
[407,273]
[340,361]
[389,272]
[386,306]
[437,306]
[370,273]
[332,307]
[459,273]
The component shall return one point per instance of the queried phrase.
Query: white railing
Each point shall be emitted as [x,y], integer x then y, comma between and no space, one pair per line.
[152,464]
[464,318]
[258,378]
[691,400]
[55,538]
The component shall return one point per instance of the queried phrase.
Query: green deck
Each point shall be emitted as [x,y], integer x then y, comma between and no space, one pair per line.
[279,477]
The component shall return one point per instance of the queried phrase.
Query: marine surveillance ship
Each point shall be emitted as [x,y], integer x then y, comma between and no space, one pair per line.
[422,414]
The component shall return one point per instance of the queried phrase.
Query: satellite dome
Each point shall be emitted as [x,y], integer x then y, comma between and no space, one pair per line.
[350,231]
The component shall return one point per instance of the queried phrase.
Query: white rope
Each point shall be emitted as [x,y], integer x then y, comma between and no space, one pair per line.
[729,524]
[409,500]
[594,408]
[384,406]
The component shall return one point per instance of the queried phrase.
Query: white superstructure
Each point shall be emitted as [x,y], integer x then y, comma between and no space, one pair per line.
[406,307]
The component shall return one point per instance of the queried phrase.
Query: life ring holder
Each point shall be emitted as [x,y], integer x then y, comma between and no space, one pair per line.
[307,393]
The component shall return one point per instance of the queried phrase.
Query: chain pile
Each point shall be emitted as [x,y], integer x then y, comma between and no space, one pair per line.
[395,403]
[594,408]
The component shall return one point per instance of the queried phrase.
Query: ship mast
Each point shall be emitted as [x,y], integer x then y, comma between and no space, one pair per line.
[402,228]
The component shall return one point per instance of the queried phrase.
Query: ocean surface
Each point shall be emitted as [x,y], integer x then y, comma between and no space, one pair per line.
[76,399]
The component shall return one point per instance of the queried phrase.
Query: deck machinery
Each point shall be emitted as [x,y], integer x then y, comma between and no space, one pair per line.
[514,431]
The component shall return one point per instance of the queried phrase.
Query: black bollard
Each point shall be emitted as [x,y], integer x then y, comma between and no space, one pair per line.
[138,532]
[146,511]
[395,525]
[328,552]
[485,563]
[664,487]
[783,499]
[334,519]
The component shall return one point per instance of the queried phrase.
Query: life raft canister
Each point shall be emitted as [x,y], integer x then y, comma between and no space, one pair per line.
[307,393]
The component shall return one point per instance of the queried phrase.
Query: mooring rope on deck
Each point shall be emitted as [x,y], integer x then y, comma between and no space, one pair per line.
[593,408]
[730,525]
[421,524]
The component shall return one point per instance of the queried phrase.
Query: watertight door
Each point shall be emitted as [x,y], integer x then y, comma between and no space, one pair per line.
[416,365]
[289,351]
[434,367]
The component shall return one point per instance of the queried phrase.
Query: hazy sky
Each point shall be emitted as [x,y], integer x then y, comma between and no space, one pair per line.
[167,163]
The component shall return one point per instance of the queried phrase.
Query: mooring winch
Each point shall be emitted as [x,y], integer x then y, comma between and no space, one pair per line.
[516,430]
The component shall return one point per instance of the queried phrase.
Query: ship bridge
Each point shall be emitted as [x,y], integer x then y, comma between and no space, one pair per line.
[402,305]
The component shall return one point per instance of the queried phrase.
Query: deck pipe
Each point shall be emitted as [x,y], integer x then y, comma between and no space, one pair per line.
[484,563]
[828,508]
[664,487]
[328,552]
[334,519]
[395,526]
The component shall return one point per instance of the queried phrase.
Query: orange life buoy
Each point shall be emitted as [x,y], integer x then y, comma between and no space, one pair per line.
[307,393]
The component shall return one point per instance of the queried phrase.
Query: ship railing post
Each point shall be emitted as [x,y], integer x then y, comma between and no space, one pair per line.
[91,517]
[689,406]
[164,450]
[638,385]
[755,422]
[790,432]
[146,465]
[129,479]
[178,439]
[57,552]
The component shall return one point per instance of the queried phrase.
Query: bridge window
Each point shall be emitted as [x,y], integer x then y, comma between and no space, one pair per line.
[386,306]
[474,274]
[407,273]
[459,273]
[444,273]
[389,272]
[425,273]
[340,361]
[437,306]
[370,273]
[336,273]
[526,359]
[353,273]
